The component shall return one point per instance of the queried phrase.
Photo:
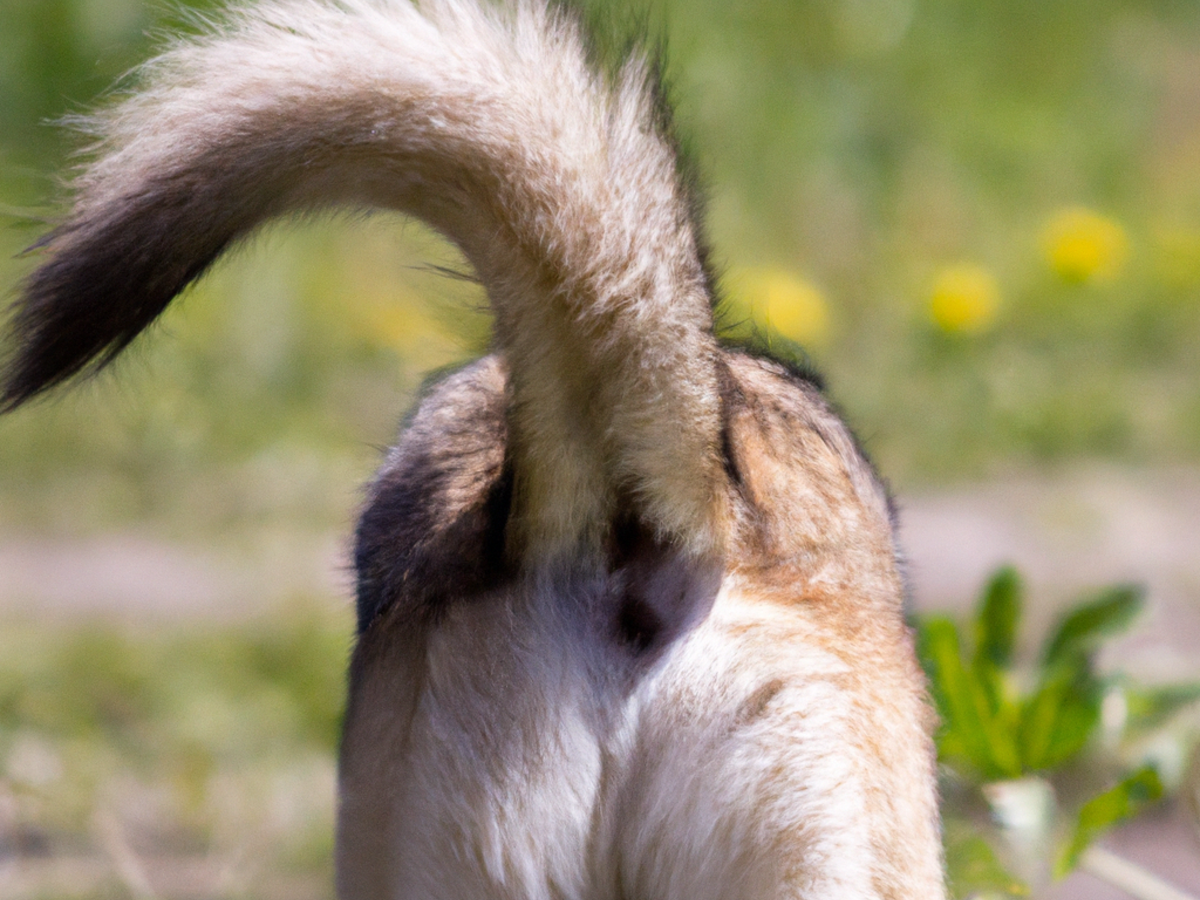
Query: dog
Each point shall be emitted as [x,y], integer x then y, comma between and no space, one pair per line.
[629,604]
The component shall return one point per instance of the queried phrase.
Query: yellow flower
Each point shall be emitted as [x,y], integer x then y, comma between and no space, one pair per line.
[1082,245]
[964,300]
[784,302]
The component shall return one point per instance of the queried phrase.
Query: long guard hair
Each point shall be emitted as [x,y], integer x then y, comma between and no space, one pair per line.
[629,605]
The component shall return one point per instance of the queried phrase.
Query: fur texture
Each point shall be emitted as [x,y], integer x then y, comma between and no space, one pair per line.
[629,609]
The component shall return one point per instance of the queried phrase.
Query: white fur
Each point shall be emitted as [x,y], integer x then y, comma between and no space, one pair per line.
[534,773]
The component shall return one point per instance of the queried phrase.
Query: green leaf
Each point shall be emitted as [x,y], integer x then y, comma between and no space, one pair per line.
[995,637]
[1105,810]
[971,732]
[996,623]
[972,865]
[1150,708]
[1064,711]
[1060,717]
[1084,627]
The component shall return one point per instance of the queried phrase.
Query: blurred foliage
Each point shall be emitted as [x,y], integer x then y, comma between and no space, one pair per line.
[1022,737]
[983,218]
[211,743]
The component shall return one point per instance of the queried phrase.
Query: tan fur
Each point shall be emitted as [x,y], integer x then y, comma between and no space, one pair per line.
[630,619]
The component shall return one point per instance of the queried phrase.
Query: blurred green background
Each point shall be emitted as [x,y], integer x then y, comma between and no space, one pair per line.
[981,218]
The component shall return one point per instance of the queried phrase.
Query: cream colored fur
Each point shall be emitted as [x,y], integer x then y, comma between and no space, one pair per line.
[487,122]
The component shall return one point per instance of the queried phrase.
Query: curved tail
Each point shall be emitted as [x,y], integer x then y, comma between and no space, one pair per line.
[559,183]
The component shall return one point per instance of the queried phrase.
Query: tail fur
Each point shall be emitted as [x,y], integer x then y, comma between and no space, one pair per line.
[560,184]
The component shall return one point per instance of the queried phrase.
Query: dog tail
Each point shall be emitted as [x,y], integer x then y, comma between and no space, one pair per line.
[559,182]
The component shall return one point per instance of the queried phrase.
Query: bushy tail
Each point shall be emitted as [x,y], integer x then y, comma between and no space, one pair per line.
[559,183]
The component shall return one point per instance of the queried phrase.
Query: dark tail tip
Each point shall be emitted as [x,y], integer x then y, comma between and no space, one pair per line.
[76,312]
[104,284]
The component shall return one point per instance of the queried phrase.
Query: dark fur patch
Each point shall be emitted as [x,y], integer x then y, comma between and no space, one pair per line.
[433,530]
[114,269]
[637,625]
[731,399]
[110,276]
[661,592]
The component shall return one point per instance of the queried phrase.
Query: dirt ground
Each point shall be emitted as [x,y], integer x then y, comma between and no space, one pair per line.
[1066,533]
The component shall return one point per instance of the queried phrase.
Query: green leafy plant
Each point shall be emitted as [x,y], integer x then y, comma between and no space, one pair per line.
[1004,724]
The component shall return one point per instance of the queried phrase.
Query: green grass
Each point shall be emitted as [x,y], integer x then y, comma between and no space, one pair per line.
[205,743]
